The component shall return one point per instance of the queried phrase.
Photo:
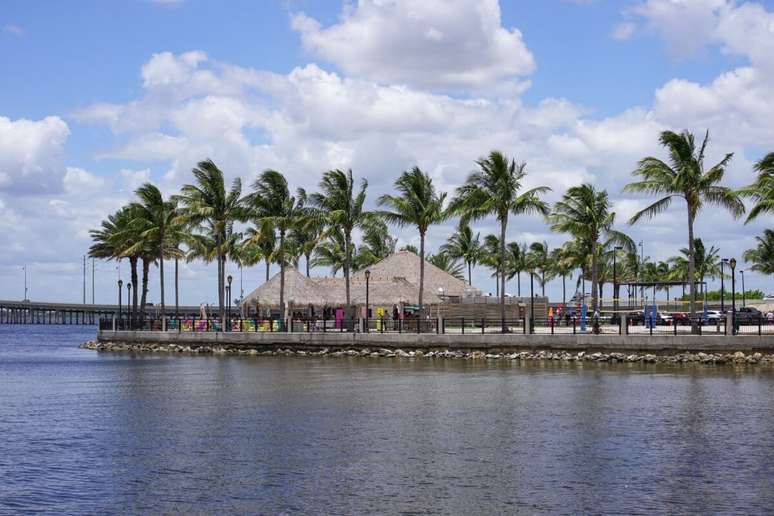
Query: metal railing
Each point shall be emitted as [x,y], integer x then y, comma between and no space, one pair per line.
[453,325]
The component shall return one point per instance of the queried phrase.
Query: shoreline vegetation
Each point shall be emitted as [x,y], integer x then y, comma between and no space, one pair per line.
[272,224]
[514,357]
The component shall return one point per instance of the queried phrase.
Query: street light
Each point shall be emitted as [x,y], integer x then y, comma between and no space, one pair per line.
[120,286]
[532,301]
[368,287]
[724,261]
[128,303]
[732,264]
[228,291]
[744,296]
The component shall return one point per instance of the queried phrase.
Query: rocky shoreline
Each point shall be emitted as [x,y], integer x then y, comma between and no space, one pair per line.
[738,357]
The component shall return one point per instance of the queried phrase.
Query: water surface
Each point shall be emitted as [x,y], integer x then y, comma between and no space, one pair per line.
[97,432]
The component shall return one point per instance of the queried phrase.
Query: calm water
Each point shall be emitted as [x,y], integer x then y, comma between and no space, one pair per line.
[88,432]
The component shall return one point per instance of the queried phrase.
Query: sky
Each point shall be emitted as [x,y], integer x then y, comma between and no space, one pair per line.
[97,98]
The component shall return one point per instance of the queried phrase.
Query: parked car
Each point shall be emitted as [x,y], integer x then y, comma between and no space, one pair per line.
[715,317]
[748,315]
[681,318]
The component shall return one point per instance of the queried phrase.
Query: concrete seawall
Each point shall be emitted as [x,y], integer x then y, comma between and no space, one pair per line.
[491,343]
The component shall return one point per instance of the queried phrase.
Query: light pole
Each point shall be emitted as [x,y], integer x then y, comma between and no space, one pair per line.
[639,269]
[24,268]
[744,296]
[615,278]
[129,312]
[732,264]
[532,301]
[368,287]
[93,268]
[120,287]
[722,287]
[84,279]
[228,314]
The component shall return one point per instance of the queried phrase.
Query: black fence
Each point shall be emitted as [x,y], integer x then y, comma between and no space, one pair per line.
[606,325]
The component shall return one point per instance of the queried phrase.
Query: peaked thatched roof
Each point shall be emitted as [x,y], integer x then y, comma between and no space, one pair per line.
[405,265]
[299,290]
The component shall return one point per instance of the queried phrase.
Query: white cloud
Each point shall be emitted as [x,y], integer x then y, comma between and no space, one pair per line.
[446,44]
[31,154]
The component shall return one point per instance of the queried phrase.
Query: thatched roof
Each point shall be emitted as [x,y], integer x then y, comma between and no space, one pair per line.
[299,290]
[405,265]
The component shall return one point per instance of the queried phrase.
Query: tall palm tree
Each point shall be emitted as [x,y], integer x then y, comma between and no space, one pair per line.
[153,217]
[515,263]
[305,236]
[260,244]
[762,190]
[463,245]
[377,244]
[490,256]
[113,240]
[340,203]
[331,252]
[541,262]
[496,189]
[207,205]
[271,204]
[418,204]
[446,263]
[562,265]
[684,177]
[762,256]
[584,212]
[706,262]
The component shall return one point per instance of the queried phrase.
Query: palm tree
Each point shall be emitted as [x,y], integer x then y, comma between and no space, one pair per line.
[208,206]
[496,189]
[153,217]
[446,263]
[331,252]
[540,258]
[762,190]
[463,245]
[584,212]
[271,204]
[377,244]
[515,263]
[305,236]
[684,177]
[707,262]
[762,257]
[410,248]
[418,204]
[490,256]
[113,240]
[562,265]
[340,204]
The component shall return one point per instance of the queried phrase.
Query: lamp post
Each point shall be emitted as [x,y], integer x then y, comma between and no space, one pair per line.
[732,264]
[639,269]
[228,291]
[24,268]
[724,261]
[744,295]
[368,288]
[615,278]
[128,301]
[120,286]
[532,301]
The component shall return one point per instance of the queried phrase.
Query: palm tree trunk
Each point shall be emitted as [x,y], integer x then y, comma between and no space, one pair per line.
[564,290]
[543,283]
[501,278]
[594,277]
[691,265]
[518,283]
[421,271]
[282,272]
[268,265]
[219,252]
[161,283]
[307,256]
[347,260]
[177,288]
[144,296]
[135,282]
[470,273]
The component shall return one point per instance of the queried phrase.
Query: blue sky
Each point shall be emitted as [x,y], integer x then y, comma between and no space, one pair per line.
[96,97]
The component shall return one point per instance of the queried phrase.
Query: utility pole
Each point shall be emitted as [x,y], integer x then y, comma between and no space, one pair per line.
[84,279]
[24,268]
[92,281]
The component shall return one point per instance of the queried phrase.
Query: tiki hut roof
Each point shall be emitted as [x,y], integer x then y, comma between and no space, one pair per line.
[299,290]
[405,265]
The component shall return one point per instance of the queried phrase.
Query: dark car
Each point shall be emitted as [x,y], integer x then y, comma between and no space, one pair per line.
[748,315]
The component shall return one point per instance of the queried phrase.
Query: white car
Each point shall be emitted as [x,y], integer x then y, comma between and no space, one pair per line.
[715,316]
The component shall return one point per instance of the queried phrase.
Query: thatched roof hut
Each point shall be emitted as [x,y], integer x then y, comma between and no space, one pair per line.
[299,290]
[405,265]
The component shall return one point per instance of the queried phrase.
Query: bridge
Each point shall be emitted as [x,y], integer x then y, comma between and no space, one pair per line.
[29,312]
